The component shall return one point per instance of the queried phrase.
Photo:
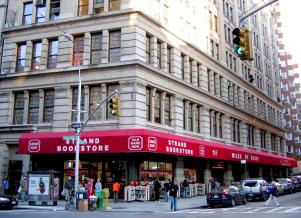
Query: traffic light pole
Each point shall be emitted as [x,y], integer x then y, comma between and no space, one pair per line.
[254,10]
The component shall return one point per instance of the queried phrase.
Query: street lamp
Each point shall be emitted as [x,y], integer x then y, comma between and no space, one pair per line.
[78,111]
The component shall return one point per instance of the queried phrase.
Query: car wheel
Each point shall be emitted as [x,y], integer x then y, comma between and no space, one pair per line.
[233,203]
[211,205]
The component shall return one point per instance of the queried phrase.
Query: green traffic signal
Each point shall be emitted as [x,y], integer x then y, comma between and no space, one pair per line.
[243,43]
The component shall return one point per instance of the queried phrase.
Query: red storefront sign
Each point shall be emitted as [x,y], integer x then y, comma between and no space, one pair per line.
[143,140]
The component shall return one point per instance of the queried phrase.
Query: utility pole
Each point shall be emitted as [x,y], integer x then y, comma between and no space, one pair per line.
[255,9]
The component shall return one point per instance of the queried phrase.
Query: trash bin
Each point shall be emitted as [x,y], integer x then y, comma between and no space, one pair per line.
[81,195]
[105,195]
[98,194]
[92,202]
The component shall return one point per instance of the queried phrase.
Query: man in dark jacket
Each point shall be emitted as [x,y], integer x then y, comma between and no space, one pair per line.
[166,189]
[173,193]
[157,188]
[272,191]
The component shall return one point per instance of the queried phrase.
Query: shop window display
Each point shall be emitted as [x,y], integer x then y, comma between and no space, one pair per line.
[149,171]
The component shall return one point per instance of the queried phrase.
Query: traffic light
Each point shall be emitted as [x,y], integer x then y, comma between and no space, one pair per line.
[114,106]
[243,43]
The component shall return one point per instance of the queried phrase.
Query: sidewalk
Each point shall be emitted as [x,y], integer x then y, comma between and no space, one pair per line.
[134,206]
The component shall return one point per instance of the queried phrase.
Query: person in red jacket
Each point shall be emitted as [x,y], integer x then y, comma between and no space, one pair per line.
[116,189]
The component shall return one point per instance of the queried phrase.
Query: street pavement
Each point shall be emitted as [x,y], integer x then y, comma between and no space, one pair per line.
[134,206]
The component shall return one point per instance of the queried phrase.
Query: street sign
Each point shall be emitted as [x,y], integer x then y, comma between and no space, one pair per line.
[243,161]
[77,125]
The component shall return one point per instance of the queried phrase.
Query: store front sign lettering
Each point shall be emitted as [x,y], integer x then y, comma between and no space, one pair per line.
[152,143]
[83,148]
[34,145]
[176,150]
[135,143]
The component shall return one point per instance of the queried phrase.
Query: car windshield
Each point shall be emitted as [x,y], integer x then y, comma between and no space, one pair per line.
[250,183]
[222,189]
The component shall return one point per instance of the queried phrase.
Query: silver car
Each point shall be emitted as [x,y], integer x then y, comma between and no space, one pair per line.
[255,188]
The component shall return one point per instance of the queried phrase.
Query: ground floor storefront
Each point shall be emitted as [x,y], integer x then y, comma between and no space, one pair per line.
[136,156]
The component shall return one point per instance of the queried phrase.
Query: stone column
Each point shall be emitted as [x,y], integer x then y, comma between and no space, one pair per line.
[4,162]
[207,177]
[268,141]
[226,133]
[211,83]
[87,49]
[193,117]
[235,95]
[228,175]
[178,118]
[90,7]
[243,133]
[231,96]
[217,85]
[153,51]
[175,63]
[241,98]
[44,54]
[179,170]
[212,115]
[194,73]
[186,69]
[106,6]
[224,89]
[41,106]
[203,72]
[218,124]
[186,103]
[105,46]
[283,146]
[164,57]
[257,142]
[28,57]
[86,102]
[105,106]
[277,142]
[205,121]
[152,104]
[64,55]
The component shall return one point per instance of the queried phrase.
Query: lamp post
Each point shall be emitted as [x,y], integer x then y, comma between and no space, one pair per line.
[78,111]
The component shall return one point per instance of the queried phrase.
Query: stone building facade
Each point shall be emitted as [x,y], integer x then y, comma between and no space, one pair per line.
[176,75]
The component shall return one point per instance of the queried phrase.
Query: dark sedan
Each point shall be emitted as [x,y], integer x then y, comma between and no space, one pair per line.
[229,196]
[7,202]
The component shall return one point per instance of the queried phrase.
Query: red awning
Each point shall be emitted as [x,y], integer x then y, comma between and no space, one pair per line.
[143,140]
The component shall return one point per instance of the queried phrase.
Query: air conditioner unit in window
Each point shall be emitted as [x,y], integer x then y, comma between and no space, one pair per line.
[40,2]
[55,11]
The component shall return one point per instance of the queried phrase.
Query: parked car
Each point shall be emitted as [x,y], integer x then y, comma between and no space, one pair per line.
[7,202]
[287,184]
[296,183]
[280,189]
[255,188]
[226,196]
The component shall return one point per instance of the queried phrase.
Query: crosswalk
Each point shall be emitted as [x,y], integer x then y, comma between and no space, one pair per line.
[262,210]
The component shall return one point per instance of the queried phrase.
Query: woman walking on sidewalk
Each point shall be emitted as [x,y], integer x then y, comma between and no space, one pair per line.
[272,191]
[173,193]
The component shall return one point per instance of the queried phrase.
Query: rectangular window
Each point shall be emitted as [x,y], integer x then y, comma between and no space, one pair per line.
[98,6]
[96,48]
[157,108]
[95,97]
[33,110]
[19,108]
[48,106]
[115,46]
[83,7]
[111,88]
[54,9]
[167,114]
[74,104]
[159,55]
[27,13]
[36,55]
[147,49]
[114,5]
[21,57]
[148,117]
[78,50]
[41,13]
[52,53]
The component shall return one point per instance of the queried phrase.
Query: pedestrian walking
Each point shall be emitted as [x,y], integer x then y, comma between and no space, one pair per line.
[98,185]
[116,189]
[5,186]
[173,193]
[157,188]
[185,186]
[24,187]
[166,189]
[272,191]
